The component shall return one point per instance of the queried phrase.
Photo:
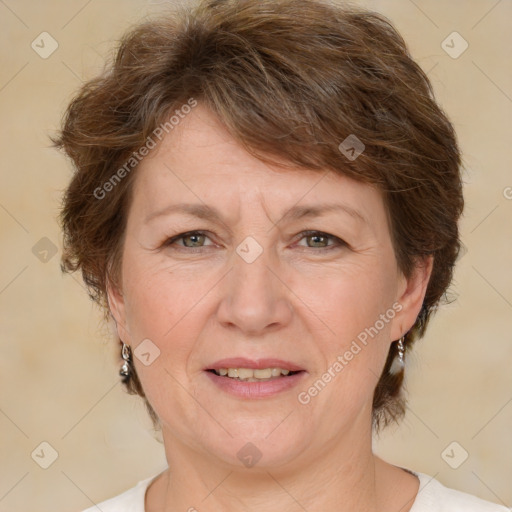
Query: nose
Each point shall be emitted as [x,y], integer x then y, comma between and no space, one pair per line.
[255,298]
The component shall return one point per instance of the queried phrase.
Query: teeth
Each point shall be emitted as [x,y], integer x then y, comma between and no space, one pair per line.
[262,374]
[250,375]
[244,373]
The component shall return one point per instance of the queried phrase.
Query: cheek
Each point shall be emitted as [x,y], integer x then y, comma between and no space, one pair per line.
[348,300]
[161,306]
[356,312]
[159,297]
[166,304]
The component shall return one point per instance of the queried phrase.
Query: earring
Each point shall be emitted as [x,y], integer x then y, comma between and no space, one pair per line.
[398,363]
[126,354]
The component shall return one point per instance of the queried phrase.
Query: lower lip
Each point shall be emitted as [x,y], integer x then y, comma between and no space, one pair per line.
[264,389]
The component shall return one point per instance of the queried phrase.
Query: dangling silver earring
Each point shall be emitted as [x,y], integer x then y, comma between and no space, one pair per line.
[126,354]
[398,363]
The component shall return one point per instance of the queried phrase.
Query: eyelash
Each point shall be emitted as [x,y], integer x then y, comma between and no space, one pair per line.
[339,242]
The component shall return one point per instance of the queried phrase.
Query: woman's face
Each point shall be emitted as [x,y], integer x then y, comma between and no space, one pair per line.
[255,288]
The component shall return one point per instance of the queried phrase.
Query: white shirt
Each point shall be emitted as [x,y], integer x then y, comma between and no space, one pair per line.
[432,497]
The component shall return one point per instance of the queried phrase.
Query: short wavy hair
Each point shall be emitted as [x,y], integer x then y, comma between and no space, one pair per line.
[290,80]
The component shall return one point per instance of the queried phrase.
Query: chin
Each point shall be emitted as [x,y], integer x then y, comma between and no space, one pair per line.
[250,442]
[258,443]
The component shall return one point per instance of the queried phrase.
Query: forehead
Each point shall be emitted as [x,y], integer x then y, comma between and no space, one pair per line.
[199,161]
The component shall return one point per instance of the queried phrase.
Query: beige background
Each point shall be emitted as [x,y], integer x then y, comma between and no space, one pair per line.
[58,370]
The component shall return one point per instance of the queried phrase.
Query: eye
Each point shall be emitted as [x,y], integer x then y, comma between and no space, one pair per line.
[191,240]
[196,240]
[320,240]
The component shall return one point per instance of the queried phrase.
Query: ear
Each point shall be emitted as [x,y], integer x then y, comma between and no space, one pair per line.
[117,309]
[411,293]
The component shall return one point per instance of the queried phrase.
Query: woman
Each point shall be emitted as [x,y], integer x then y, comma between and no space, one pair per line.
[266,202]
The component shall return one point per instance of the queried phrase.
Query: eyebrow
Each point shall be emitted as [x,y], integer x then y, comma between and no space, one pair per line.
[211,213]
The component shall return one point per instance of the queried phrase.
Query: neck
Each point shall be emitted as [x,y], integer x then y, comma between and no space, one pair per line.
[344,476]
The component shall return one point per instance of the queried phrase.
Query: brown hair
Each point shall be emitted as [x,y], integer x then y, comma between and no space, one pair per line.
[291,80]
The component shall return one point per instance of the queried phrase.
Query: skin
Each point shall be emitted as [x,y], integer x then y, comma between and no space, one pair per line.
[296,302]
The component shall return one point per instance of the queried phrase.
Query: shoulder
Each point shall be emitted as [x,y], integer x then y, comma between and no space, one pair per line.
[434,496]
[131,500]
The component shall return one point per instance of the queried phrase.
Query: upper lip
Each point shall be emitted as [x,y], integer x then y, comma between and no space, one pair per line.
[255,364]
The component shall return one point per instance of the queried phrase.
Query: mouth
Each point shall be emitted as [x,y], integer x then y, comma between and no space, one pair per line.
[254,375]
[250,379]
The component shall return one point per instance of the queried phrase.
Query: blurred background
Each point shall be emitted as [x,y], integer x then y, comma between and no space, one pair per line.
[70,436]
